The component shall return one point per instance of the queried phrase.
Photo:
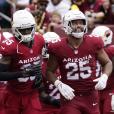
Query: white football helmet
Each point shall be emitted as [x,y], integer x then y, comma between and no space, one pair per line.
[23,25]
[74,15]
[49,37]
[105,33]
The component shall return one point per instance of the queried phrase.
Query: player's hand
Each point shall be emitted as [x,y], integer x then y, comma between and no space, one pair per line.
[65,90]
[101,82]
[55,102]
[50,100]
[34,70]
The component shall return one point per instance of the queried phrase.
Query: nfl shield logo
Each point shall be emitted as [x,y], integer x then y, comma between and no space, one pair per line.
[31,51]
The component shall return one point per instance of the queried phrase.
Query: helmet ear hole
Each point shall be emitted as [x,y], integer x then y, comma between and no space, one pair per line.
[107,34]
[103,32]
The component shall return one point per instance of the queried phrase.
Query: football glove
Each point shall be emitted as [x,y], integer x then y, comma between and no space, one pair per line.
[101,82]
[34,70]
[65,90]
[51,100]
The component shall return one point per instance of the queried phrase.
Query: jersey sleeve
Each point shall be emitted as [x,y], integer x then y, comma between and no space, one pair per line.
[54,46]
[7,47]
[52,49]
[40,39]
[99,44]
[110,51]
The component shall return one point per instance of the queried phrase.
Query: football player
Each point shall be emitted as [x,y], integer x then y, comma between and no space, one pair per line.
[21,58]
[48,107]
[76,57]
[106,96]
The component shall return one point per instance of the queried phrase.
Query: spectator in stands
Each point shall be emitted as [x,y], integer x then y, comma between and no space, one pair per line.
[77,2]
[38,9]
[91,23]
[108,12]
[92,9]
[112,6]
[74,7]
[90,5]
[59,6]
[55,21]
[112,1]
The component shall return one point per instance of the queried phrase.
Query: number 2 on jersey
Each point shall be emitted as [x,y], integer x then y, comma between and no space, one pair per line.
[78,70]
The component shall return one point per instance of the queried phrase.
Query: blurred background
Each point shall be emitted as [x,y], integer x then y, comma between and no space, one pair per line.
[49,13]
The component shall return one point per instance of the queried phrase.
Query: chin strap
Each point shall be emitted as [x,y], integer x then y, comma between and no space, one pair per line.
[78,35]
[30,45]
[18,47]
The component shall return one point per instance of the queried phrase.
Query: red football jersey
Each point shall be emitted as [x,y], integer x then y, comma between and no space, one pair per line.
[22,57]
[77,66]
[110,51]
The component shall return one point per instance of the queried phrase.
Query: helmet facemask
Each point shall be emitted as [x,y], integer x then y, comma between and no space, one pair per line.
[74,15]
[77,30]
[25,34]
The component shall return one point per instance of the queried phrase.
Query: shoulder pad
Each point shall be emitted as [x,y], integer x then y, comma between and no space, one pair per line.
[7,35]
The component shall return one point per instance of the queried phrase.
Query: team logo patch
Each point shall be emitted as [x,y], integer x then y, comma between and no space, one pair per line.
[75,51]
[31,51]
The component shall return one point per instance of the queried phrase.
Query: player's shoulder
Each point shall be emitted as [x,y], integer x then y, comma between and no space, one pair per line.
[93,39]
[7,35]
[55,47]
[8,42]
[58,43]
[39,38]
[7,39]
[110,47]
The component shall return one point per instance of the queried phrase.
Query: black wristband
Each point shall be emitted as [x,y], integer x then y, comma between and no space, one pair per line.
[5,76]
[4,67]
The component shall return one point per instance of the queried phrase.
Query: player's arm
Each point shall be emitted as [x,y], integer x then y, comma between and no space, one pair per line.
[105,62]
[106,70]
[6,75]
[64,89]
[4,66]
[52,66]
[49,99]
[44,96]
